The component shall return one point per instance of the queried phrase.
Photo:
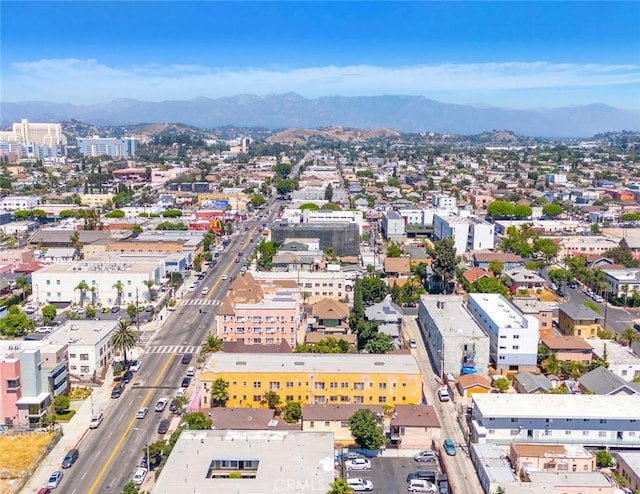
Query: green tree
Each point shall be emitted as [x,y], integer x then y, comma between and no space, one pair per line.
[330,206]
[271,399]
[180,403]
[501,384]
[496,267]
[91,313]
[339,486]
[130,488]
[552,210]
[374,289]
[172,213]
[500,209]
[445,262]
[328,193]
[292,412]
[211,344]
[22,284]
[219,392]
[119,288]
[49,313]
[310,206]
[489,285]
[629,336]
[559,276]
[116,213]
[379,343]
[74,238]
[393,251]
[266,250]
[132,311]
[197,421]
[66,213]
[604,459]
[124,338]
[396,294]
[61,403]
[547,247]
[521,211]
[257,201]
[82,287]
[365,429]
[282,170]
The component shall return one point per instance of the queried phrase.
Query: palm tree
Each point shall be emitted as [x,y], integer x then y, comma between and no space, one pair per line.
[119,287]
[630,335]
[83,287]
[340,486]
[22,284]
[219,392]
[93,291]
[150,284]
[124,338]
[625,291]
[211,344]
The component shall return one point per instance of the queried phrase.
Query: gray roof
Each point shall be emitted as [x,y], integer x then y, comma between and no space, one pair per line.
[601,381]
[579,312]
[385,311]
[533,382]
[60,252]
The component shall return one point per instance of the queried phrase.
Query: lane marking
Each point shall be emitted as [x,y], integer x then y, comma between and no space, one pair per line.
[118,446]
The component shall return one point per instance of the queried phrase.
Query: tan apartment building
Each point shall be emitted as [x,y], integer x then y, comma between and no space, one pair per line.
[561,458]
[569,348]
[539,310]
[414,427]
[578,320]
[335,419]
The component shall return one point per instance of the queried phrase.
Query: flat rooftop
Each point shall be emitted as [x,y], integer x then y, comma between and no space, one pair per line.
[81,332]
[617,407]
[106,265]
[499,309]
[283,461]
[308,362]
[451,316]
[616,353]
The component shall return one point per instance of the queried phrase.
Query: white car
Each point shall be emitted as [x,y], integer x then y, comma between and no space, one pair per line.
[31,309]
[43,330]
[142,413]
[181,392]
[96,420]
[358,464]
[135,366]
[138,477]
[225,277]
[161,404]
[359,485]
[205,290]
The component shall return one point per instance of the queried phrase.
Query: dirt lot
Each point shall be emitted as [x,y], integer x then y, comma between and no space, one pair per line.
[19,453]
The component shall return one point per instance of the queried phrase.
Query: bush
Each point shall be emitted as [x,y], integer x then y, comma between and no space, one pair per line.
[65,416]
[79,393]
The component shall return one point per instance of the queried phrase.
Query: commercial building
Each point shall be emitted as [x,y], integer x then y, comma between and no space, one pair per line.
[89,346]
[15,203]
[456,344]
[590,420]
[47,134]
[513,335]
[250,462]
[393,226]
[315,378]
[584,245]
[124,147]
[334,419]
[343,238]
[314,285]
[469,233]
[622,282]
[108,281]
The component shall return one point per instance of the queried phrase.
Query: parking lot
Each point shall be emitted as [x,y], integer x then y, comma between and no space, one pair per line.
[389,475]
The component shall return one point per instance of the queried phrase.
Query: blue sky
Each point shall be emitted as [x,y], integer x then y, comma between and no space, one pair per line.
[508,54]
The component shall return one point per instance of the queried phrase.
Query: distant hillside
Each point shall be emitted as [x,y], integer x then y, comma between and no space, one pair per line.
[404,113]
[344,134]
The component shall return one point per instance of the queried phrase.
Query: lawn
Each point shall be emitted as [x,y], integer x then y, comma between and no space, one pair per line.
[65,416]
[20,452]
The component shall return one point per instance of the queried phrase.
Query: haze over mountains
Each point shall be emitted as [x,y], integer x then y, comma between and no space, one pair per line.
[404,113]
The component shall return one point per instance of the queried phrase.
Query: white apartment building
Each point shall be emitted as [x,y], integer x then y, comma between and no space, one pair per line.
[556,178]
[356,217]
[622,361]
[59,282]
[124,147]
[89,345]
[393,226]
[315,285]
[16,203]
[571,246]
[513,335]
[443,201]
[590,420]
[622,282]
[456,344]
[424,216]
[468,233]
[43,134]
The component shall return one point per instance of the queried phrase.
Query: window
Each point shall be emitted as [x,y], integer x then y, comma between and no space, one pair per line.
[57,282]
[13,384]
[84,369]
[516,336]
[72,355]
[257,398]
[358,399]
[333,385]
[84,356]
[585,433]
[603,421]
[358,386]
[312,424]
[382,399]
[257,384]
[344,385]
[319,385]
[288,398]
[602,433]
[326,424]
[289,384]
[516,347]
[344,425]
[344,399]
[274,385]
[514,432]
[514,420]
[382,385]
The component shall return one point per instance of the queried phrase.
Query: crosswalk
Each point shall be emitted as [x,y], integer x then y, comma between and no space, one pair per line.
[175,349]
[144,338]
[201,301]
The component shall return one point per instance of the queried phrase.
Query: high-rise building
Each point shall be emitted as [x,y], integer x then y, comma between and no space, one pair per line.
[111,146]
[42,134]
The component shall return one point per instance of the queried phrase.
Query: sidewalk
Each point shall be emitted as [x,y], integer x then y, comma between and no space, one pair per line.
[73,432]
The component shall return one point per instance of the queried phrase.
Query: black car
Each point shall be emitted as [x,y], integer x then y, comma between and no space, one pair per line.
[185,382]
[573,284]
[115,309]
[427,475]
[117,390]
[173,407]
[163,426]
[443,484]
[126,378]
[70,458]
[186,358]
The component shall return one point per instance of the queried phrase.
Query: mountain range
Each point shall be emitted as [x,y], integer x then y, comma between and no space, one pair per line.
[404,113]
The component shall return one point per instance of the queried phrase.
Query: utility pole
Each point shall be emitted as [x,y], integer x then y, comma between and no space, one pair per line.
[137,313]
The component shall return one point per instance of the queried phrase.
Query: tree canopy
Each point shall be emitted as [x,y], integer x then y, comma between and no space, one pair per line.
[365,429]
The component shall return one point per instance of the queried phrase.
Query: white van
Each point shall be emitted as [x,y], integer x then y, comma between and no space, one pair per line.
[443,394]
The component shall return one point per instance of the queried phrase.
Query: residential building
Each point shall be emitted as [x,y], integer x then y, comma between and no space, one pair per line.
[622,282]
[583,245]
[334,419]
[89,346]
[568,348]
[622,361]
[211,461]
[329,316]
[601,381]
[538,309]
[19,228]
[524,279]
[413,427]
[109,282]
[513,335]
[247,419]
[469,233]
[314,285]
[560,482]
[15,203]
[96,200]
[469,384]
[628,467]
[16,257]
[315,378]
[256,314]
[551,458]
[389,318]
[455,342]
[47,134]
[392,226]
[556,178]
[115,147]
[443,201]
[578,320]
[507,260]
[590,420]
[397,266]
[355,217]
[527,382]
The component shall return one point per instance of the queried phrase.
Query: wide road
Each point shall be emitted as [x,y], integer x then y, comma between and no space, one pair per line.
[110,454]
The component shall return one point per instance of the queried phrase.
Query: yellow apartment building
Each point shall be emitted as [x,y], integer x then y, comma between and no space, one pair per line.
[578,320]
[368,379]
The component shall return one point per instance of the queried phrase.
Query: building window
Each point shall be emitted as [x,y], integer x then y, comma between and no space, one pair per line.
[274,385]
[72,355]
[13,384]
[344,385]
[602,433]
[382,399]
[84,356]
[333,385]
[257,398]
[319,385]
[84,369]
[382,386]
[289,384]
[257,384]
[312,424]
[358,386]
[289,398]
[344,425]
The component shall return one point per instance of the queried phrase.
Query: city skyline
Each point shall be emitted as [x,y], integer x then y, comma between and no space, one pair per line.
[515,55]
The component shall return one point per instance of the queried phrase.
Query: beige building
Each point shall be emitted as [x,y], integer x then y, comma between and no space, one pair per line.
[95,200]
[335,419]
[551,458]
[43,134]
[539,310]
[414,427]
[569,348]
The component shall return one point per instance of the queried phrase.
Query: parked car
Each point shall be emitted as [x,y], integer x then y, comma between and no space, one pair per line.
[191,371]
[173,407]
[428,475]
[419,485]
[449,447]
[43,330]
[117,390]
[126,378]
[163,426]
[412,343]
[225,277]
[44,490]
[31,309]
[142,412]
[443,484]
[54,479]
[96,420]
[135,366]
[185,382]
[359,485]
[105,310]
[139,476]
[205,290]
[161,404]
[181,392]
[358,464]
[70,458]
[186,358]
[115,309]
[426,456]
[443,394]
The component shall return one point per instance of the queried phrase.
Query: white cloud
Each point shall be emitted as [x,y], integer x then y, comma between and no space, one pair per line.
[89,81]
